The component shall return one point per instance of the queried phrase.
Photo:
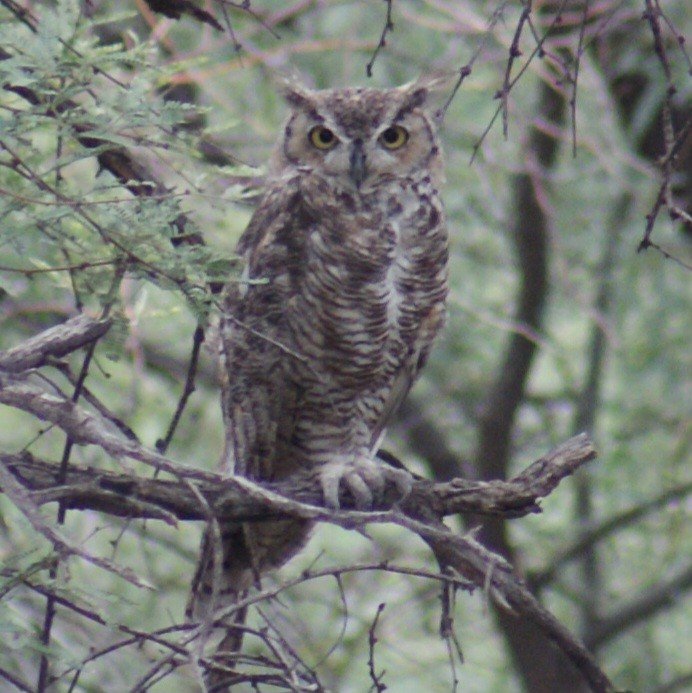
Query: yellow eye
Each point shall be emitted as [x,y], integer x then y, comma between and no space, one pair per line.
[322,137]
[394,137]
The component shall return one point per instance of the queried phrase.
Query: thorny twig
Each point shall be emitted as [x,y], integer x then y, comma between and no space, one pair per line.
[514,53]
[188,389]
[465,70]
[575,79]
[376,678]
[672,142]
[387,28]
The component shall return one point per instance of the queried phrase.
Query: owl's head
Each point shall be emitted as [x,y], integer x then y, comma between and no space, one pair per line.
[358,137]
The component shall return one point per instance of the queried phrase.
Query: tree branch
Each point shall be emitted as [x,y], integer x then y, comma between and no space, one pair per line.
[193,494]
[85,487]
[238,499]
[55,342]
[510,595]
[63,547]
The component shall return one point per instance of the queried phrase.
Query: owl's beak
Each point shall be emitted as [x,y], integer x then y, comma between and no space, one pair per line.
[357,170]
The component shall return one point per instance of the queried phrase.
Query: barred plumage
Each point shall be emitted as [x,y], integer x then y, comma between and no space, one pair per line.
[343,295]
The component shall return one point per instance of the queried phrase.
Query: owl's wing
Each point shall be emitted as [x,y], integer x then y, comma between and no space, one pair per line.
[429,326]
[400,388]
[258,400]
[259,405]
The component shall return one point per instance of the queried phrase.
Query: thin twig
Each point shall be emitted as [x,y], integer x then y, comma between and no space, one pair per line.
[15,680]
[508,84]
[652,15]
[377,684]
[387,28]
[188,389]
[21,498]
[575,77]
[514,53]
[465,70]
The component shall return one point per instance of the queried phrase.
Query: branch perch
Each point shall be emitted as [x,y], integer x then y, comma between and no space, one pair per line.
[32,482]
[238,499]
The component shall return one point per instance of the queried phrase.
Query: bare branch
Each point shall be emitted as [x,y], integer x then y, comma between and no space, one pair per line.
[31,483]
[376,678]
[509,593]
[197,341]
[240,499]
[15,681]
[55,342]
[129,496]
[387,28]
[672,141]
[83,427]
[23,501]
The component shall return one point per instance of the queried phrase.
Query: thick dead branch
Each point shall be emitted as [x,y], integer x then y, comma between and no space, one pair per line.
[238,499]
[467,557]
[55,342]
[231,499]
[30,483]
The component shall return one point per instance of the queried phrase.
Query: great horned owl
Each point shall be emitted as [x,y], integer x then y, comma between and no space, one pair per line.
[342,296]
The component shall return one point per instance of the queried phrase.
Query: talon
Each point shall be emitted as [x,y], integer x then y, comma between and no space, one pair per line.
[330,488]
[362,495]
[403,480]
[364,477]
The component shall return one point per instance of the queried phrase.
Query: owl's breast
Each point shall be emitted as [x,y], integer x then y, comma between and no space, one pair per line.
[375,281]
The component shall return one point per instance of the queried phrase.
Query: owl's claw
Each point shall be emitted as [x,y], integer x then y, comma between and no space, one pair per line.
[364,477]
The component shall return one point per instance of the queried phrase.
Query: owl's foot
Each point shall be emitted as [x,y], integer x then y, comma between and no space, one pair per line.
[364,477]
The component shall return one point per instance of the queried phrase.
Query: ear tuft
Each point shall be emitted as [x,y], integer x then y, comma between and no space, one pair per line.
[292,88]
[435,80]
[416,93]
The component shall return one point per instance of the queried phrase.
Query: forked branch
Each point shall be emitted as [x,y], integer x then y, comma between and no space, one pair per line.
[238,499]
[33,482]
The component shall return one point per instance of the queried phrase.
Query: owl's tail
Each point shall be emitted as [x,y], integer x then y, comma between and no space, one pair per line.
[232,558]
[223,576]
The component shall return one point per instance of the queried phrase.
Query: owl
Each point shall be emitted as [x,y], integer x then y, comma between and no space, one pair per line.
[342,296]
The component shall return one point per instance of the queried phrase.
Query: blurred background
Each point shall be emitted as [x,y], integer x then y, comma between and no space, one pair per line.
[566,130]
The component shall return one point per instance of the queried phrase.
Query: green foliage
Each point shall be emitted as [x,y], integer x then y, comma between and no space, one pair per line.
[65,222]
